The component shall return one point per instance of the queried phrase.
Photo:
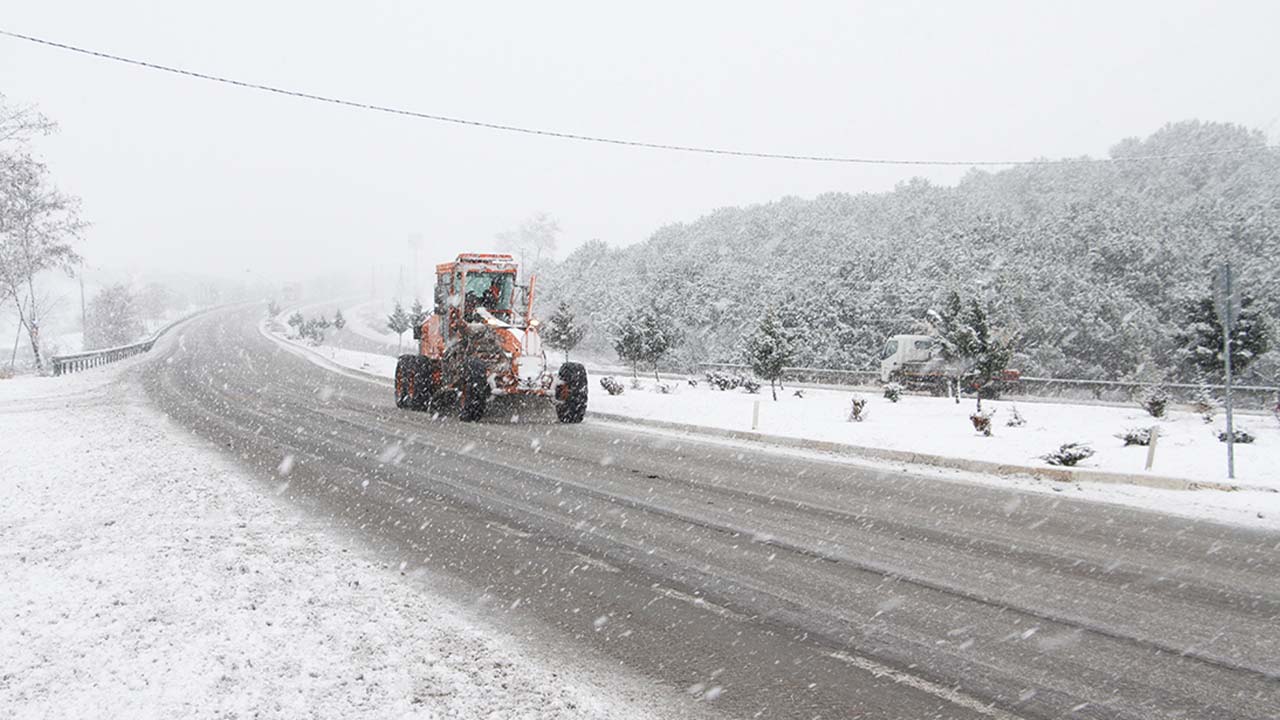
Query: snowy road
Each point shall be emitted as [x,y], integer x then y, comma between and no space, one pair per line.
[769,584]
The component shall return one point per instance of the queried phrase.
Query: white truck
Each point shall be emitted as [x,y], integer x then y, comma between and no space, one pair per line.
[915,362]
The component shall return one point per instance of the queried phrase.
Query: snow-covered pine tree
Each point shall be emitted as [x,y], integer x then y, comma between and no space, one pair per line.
[661,336]
[112,318]
[769,350]
[1200,339]
[417,315]
[563,333]
[646,335]
[970,345]
[398,321]
[628,342]
[339,321]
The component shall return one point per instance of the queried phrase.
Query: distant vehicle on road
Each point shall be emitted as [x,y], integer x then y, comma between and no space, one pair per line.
[480,341]
[916,363]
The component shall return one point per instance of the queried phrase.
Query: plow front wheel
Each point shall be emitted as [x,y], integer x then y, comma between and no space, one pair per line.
[572,393]
[475,391]
[416,381]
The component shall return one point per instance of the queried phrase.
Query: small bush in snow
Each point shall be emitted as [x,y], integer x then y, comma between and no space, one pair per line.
[1015,418]
[313,330]
[1135,436]
[857,408]
[799,393]
[295,321]
[1069,454]
[636,384]
[273,308]
[1204,404]
[982,421]
[611,385]
[728,381]
[693,382]
[1240,435]
[722,381]
[893,392]
[1155,400]
[665,388]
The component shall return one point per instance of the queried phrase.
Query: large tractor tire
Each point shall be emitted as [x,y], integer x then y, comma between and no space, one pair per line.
[404,384]
[426,383]
[572,393]
[474,395]
[416,381]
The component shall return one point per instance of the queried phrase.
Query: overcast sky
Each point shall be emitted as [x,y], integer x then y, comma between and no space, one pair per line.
[177,172]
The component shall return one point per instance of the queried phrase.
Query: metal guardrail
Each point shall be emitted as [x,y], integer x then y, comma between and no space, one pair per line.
[1068,388]
[817,376]
[1128,389]
[75,362]
[66,364]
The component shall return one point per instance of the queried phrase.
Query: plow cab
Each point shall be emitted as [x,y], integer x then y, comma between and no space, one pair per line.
[481,340]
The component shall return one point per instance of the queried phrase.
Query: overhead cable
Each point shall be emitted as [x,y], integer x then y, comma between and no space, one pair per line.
[613,140]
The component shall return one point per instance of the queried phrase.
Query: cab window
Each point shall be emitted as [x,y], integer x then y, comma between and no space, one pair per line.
[890,349]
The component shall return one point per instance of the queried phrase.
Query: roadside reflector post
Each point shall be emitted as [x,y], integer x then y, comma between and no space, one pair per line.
[755,415]
[1151,445]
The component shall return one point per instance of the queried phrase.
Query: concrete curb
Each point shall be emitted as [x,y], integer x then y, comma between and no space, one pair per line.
[904,456]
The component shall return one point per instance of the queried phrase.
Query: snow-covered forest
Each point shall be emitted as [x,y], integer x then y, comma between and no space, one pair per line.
[1090,265]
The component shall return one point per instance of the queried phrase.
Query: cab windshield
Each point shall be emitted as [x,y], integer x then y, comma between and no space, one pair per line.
[491,291]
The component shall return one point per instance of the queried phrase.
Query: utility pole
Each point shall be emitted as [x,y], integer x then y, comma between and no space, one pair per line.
[84,316]
[1227,300]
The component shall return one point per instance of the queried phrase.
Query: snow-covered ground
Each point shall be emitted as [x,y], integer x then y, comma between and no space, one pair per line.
[1187,448]
[370,363]
[144,575]
[368,320]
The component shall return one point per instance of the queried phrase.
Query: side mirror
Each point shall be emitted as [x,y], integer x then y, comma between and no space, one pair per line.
[417,332]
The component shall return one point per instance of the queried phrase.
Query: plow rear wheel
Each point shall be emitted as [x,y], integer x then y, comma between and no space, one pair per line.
[404,371]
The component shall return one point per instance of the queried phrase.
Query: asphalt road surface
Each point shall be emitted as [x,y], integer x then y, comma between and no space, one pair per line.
[794,587]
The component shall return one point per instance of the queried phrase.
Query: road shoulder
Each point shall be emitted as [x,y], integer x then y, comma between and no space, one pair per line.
[147,574]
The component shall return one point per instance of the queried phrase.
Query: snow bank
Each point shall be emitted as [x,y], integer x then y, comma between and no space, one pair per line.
[1187,447]
[144,576]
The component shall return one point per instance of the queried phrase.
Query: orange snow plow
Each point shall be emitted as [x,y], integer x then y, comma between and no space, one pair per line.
[480,341]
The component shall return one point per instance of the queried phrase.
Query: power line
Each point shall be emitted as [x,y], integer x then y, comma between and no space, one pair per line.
[608,140]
